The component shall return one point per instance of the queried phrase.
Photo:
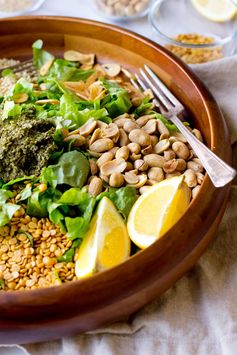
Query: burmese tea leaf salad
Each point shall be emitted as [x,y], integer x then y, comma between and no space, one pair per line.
[79,145]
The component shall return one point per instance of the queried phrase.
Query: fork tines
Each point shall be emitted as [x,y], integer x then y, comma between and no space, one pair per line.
[165,99]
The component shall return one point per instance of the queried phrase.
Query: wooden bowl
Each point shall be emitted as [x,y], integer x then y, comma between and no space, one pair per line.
[112,295]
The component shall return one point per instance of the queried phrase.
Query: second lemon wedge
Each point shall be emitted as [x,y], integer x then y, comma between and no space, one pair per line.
[157,210]
[106,244]
[216,10]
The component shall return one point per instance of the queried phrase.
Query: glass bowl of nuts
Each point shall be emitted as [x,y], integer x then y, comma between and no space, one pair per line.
[12,8]
[194,35]
[122,10]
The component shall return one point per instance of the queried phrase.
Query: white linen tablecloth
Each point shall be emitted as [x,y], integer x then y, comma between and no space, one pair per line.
[198,316]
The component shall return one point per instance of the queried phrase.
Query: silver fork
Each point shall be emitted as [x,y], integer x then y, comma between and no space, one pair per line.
[26,66]
[219,172]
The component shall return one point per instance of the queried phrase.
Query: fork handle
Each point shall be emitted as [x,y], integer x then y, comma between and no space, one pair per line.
[219,172]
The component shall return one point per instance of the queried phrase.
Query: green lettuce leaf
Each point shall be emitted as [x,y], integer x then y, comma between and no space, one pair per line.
[84,204]
[10,109]
[40,56]
[64,172]
[37,205]
[117,100]
[69,110]
[25,193]
[68,256]
[76,227]
[22,85]
[144,107]
[119,104]
[7,209]
[17,181]
[39,202]
[68,71]
[171,127]
[28,235]
[57,214]
[2,284]
[123,198]
[7,72]
[5,195]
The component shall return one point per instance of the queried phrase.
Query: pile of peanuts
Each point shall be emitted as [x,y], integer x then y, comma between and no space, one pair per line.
[122,8]
[136,152]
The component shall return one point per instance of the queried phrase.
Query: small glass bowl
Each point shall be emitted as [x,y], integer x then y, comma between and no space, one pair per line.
[122,10]
[33,5]
[189,35]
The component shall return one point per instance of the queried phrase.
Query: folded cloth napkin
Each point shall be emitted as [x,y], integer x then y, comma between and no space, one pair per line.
[199,314]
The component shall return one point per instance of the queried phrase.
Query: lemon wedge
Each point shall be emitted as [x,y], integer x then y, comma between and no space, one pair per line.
[106,244]
[157,210]
[216,10]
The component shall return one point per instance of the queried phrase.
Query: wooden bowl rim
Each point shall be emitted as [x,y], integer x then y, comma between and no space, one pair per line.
[17,296]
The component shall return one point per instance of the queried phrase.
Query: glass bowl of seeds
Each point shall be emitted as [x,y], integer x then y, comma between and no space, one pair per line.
[12,8]
[122,10]
[183,30]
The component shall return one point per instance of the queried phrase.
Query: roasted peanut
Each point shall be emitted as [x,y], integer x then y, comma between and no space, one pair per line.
[113,166]
[102,145]
[116,180]
[123,153]
[95,135]
[181,165]
[141,165]
[164,136]
[130,125]
[200,178]
[190,178]
[181,150]
[110,131]
[140,137]
[134,148]
[135,157]
[114,150]
[105,157]
[195,191]
[123,139]
[162,146]
[147,150]
[141,121]
[156,174]
[88,127]
[154,160]
[179,137]
[170,166]
[131,178]
[197,134]
[79,140]
[142,181]
[96,186]
[154,140]
[93,167]
[195,165]
[169,155]
[162,127]
[120,120]
[129,166]
[150,127]
[104,178]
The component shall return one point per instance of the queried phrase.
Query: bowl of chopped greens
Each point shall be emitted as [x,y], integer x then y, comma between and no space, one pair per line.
[103,203]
